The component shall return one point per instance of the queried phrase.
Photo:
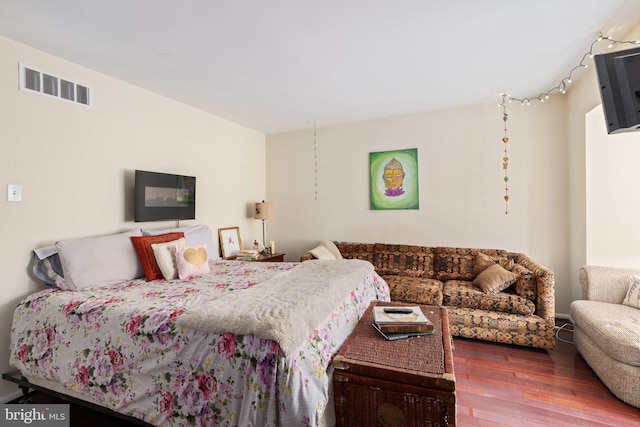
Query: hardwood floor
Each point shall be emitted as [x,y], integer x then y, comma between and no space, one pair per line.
[503,385]
[507,386]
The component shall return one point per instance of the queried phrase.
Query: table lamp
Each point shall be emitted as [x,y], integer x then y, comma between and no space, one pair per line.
[262,210]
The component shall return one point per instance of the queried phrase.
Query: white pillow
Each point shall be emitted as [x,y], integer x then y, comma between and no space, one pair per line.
[633,294]
[332,248]
[326,249]
[99,261]
[165,254]
[194,235]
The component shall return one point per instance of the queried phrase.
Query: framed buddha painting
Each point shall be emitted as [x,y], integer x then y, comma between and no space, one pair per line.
[394,179]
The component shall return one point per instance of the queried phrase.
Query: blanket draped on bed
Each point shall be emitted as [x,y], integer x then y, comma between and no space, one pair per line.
[285,308]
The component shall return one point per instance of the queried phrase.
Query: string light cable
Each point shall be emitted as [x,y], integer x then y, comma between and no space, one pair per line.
[561,88]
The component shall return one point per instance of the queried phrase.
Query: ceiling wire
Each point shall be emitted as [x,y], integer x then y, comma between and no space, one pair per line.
[562,86]
[315,161]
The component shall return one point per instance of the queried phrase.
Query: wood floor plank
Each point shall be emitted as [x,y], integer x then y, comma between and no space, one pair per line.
[508,386]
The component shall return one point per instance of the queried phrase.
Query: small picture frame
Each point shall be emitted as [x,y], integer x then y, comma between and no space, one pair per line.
[230,242]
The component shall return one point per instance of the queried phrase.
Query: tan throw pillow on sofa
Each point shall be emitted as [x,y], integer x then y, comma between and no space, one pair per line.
[495,279]
[481,262]
[506,263]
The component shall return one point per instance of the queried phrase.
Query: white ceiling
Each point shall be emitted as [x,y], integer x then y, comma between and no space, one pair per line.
[280,65]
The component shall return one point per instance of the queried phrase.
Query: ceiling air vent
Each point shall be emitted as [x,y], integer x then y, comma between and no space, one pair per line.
[43,83]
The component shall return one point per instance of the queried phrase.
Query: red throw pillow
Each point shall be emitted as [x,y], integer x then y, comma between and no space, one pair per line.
[145,252]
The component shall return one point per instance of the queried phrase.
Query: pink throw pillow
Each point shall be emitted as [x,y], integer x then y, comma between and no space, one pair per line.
[192,261]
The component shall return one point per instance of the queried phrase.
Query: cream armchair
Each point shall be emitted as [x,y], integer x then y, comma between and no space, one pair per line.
[607,332]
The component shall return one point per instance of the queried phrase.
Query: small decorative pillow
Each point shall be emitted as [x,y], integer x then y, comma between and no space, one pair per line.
[192,260]
[326,250]
[321,252]
[165,254]
[481,262]
[506,263]
[633,294]
[495,279]
[331,247]
[145,252]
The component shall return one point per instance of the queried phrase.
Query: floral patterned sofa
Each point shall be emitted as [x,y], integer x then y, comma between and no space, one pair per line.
[491,294]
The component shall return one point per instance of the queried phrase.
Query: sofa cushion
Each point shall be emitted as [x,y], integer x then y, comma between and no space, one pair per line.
[462,293]
[530,331]
[419,290]
[350,250]
[407,260]
[615,328]
[454,263]
[457,263]
[494,279]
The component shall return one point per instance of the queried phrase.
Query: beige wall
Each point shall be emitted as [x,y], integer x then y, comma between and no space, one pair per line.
[613,205]
[460,176]
[75,165]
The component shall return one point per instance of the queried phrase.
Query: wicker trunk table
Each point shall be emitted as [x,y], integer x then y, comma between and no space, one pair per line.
[402,383]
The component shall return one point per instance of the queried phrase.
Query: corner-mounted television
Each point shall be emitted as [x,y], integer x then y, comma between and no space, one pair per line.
[619,79]
[163,196]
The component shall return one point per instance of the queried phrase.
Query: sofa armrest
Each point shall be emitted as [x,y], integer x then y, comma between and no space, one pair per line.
[606,284]
[546,296]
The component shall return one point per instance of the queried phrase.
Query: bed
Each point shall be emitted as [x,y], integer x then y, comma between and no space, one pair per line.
[187,352]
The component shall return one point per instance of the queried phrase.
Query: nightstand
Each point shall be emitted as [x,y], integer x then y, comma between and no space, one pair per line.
[264,258]
[271,258]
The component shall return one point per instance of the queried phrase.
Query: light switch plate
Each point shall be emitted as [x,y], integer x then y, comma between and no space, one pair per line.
[14,192]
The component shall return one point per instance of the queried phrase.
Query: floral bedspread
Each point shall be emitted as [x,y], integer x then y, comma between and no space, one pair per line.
[120,345]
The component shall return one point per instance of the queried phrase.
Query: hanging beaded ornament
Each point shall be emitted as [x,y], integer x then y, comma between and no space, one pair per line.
[505,162]
[315,161]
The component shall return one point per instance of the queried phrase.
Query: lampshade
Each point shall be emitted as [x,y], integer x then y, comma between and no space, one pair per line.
[262,210]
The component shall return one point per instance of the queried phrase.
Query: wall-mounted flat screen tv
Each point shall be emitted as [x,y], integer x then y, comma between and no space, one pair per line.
[619,79]
[162,196]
